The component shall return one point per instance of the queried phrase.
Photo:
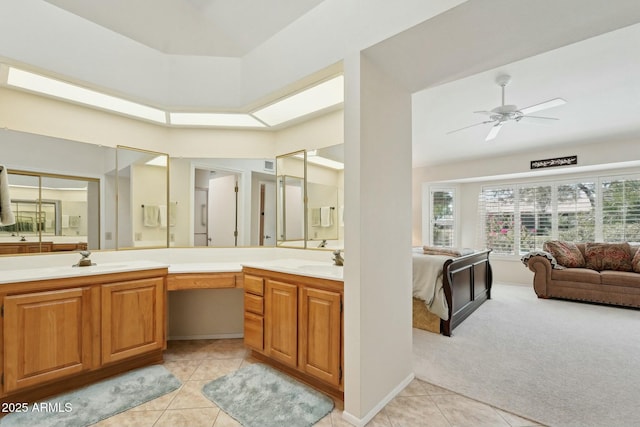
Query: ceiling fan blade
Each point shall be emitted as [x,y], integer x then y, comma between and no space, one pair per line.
[543,106]
[487,113]
[494,131]
[470,126]
[537,119]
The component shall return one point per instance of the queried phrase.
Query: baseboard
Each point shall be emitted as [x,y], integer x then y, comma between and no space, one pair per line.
[205,337]
[361,422]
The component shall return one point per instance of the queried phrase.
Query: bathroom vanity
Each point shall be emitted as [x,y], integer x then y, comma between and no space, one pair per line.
[293,319]
[63,327]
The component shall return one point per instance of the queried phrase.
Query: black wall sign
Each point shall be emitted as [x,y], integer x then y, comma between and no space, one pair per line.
[549,163]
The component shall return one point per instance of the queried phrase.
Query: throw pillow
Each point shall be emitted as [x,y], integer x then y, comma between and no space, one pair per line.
[566,253]
[608,256]
[635,262]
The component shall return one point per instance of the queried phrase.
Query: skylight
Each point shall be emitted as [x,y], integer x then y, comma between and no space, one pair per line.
[214,119]
[59,89]
[316,98]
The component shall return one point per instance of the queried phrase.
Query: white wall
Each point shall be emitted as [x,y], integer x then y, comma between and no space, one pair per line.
[377,317]
[593,160]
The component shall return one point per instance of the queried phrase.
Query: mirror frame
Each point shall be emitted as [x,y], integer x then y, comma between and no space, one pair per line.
[302,155]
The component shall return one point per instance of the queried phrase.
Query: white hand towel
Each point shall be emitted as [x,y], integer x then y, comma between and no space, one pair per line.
[150,215]
[325,217]
[6,215]
[162,209]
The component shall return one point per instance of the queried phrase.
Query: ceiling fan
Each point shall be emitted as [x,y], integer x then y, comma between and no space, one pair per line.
[511,113]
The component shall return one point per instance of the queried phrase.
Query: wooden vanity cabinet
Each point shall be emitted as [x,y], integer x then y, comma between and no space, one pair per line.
[132,318]
[302,325]
[47,336]
[320,337]
[59,334]
[281,322]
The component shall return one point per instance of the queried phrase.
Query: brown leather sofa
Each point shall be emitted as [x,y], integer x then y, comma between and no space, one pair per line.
[552,280]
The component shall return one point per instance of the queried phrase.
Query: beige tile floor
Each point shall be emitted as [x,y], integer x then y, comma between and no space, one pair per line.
[197,362]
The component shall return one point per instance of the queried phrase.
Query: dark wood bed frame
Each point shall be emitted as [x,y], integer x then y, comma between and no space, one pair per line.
[467,283]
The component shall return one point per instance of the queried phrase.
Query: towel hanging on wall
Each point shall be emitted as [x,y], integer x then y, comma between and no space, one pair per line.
[151,215]
[325,216]
[6,215]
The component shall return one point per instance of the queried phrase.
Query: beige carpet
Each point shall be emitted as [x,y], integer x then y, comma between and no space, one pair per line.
[558,362]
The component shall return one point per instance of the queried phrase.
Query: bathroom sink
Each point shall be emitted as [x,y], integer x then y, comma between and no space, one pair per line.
[327,270]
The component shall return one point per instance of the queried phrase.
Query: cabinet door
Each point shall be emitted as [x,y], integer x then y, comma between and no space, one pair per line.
[47,335]
[281,322]
[132,318]
[321,334]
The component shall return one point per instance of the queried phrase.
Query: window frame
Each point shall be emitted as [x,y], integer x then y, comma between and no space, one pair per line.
[427,207]
[555,183]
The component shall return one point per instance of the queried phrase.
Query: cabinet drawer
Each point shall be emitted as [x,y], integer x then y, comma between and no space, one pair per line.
[176,282]
[254,331]
[253,284]
[254,303]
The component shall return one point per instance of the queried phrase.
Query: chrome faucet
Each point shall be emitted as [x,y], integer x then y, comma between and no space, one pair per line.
[84,261]
[337,257]
[323,244]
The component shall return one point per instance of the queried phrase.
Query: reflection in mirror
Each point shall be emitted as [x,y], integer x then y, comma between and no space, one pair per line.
[52,214]
[215,213]
[145,216]
[291,217]
[325,200]
[71,172]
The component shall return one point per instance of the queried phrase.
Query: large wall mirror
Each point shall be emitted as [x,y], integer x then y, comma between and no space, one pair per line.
[325,197]
[310,198]
[52,214]
[56,192]
[145,214]
[69,170]
[225,202]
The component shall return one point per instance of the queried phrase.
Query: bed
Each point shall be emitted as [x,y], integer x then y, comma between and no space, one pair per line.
[448,289]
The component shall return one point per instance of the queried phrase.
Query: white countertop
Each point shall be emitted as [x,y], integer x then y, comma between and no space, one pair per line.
[45,273]
[304,267]
[318,269]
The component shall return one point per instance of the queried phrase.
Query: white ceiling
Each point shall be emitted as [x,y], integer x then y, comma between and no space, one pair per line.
[583,51]
[597,77]
[193,27]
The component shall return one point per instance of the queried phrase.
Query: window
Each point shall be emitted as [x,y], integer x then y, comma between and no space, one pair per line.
[621,210]
[518,218]
[536,212]
[442,218]
[576,211]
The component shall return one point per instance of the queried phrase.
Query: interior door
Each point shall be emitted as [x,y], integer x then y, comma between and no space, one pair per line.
[223,210]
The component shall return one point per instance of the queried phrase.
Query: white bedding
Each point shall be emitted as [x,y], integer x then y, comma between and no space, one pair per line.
[427,282]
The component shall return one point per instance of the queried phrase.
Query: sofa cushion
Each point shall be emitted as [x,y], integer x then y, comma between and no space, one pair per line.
[608,256]
[580,275]
[566,253]
[635,262]
[620,278]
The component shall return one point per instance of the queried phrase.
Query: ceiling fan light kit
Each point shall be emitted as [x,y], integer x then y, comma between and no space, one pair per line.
[511,113]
